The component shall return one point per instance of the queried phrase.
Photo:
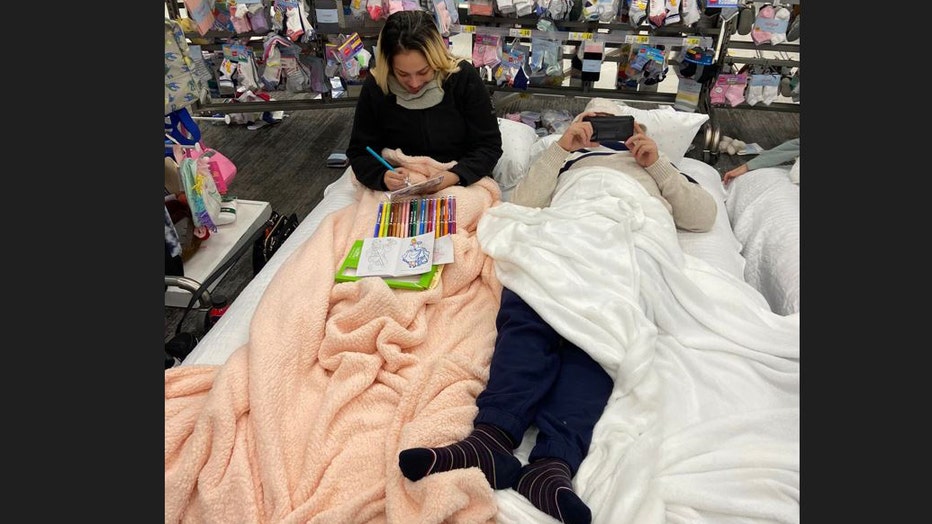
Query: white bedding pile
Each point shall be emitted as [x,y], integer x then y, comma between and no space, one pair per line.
[703,423]
[763,206]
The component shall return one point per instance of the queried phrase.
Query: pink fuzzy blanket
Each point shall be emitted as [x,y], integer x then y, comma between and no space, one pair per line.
[304,423]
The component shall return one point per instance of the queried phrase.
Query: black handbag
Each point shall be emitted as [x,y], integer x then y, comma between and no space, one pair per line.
[277,229]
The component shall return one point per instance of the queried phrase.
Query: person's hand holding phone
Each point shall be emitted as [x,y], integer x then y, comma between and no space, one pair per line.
[578,134]
[642,147]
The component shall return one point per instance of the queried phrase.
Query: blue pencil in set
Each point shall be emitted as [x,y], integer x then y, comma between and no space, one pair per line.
[378,221]
[380,159]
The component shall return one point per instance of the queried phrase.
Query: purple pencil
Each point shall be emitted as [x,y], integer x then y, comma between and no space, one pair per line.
[453,214]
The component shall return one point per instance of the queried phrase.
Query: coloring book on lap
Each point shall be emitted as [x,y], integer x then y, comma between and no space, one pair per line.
[349,269]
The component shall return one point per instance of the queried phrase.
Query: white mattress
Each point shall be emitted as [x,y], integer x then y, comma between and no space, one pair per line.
[232,330]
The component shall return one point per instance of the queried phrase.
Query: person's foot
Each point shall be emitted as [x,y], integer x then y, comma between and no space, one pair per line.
[548,484]
[487,448]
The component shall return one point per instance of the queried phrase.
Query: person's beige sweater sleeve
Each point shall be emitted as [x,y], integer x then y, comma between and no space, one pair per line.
[536,188]
[694,209]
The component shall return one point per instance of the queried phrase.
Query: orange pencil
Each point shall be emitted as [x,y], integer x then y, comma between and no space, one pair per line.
[443,216]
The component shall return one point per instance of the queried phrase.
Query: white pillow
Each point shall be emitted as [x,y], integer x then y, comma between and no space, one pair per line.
[517,139]
[674,131]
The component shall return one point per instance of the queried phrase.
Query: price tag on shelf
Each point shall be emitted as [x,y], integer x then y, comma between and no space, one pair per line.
[691,41]
[521,33]
[637,39]
[575,35]
[468,28]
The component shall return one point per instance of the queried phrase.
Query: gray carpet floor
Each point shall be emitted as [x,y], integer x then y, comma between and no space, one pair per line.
[285,163]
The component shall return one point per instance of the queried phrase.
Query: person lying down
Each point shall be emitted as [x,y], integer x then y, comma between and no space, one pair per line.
[536,375]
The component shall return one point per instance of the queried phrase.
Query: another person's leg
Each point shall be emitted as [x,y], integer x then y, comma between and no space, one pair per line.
[565,418]
[524,365]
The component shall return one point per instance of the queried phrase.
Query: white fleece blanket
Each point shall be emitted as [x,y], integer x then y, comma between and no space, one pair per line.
[703,423]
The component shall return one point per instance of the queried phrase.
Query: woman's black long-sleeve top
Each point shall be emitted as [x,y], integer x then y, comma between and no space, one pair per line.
[462,127]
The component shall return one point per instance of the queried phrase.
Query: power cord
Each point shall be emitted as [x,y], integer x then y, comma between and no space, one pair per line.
[182,344]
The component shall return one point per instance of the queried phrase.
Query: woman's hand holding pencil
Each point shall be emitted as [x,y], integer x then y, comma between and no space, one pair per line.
[397,177]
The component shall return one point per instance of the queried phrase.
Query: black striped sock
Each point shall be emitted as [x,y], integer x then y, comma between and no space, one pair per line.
[548,485]
[487,448]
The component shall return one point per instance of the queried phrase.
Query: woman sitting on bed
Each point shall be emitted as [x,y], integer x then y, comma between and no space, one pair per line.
[424,103]
[537,376]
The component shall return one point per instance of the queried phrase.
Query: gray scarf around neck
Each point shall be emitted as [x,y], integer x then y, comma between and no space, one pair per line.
[429,96]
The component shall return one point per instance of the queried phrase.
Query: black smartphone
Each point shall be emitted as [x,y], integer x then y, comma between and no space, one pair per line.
[606,128]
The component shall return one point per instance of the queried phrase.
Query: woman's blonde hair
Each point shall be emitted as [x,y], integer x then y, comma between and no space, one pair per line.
[412,31]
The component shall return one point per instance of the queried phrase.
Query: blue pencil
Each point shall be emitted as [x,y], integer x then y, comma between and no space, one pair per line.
[380,159]
[378,221]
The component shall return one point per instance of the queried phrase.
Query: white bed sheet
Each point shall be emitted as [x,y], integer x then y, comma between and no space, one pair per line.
[232,330]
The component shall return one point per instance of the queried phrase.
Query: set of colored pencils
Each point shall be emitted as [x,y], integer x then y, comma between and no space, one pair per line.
[416,216]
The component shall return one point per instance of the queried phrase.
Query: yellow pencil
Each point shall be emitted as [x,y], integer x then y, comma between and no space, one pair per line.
[383,231]
[436,218]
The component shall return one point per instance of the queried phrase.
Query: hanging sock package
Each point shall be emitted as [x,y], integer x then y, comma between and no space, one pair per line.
[546,56]
[647,65]
[687,95]
[763,88]
[591,53]
[239,15]
[729,89]
[637,12]
[445,15]
[480,7]
[259,18]
[690,12]
[770,25]
[486,50]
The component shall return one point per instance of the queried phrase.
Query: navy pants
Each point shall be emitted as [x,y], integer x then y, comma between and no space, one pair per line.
[538,377]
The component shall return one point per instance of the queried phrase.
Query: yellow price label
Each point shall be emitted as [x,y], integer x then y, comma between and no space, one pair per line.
[637,39]
[468,28]
[574,35]
[524,33]
[691,41]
